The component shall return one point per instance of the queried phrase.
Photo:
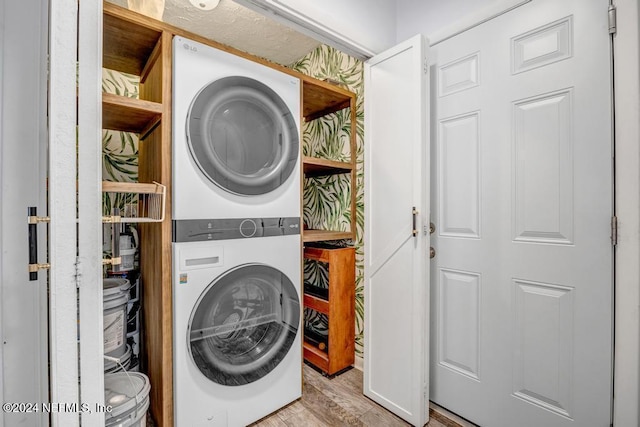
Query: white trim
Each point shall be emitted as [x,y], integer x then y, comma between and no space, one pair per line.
[2,15]
[474,19]
[62,209]
[89,210]
[43,138]
[280,12]
[627,170]
[358,363]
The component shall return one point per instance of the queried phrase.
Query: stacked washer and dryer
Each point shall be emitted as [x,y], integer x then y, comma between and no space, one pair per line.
[236,237]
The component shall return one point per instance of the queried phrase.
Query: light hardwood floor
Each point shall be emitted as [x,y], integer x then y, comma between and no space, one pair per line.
[337,402]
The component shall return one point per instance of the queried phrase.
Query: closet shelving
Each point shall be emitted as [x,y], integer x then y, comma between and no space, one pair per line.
[335,351]
[319,99]
[130,114]
[138,45]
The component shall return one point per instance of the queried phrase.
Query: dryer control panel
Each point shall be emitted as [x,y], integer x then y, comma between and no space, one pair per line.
[202,230]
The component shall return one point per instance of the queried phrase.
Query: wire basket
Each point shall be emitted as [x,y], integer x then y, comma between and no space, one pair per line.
[137,202]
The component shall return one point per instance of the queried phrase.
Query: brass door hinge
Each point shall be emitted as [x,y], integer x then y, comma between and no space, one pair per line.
[34,268]
[33,219]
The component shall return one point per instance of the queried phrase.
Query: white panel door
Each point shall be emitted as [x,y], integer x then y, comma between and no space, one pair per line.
[521,302]
[396,271]
[38,318]
[23,172]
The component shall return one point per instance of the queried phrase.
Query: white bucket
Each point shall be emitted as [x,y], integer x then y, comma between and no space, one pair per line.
[125,362]
[128,396]
[115,298]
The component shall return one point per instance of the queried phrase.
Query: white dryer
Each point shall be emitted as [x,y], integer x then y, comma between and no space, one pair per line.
[237,314]
[236,143]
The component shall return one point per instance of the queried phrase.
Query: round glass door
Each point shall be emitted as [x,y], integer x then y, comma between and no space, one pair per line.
[244,324]
[242,136]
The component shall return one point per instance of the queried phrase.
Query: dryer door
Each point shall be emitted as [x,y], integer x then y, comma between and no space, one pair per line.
[242,136]
[244,324]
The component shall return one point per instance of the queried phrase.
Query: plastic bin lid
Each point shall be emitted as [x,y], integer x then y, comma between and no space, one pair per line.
[121,390]
[114,285]
[124,360]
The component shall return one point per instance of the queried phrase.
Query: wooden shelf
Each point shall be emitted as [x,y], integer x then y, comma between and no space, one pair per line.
[127,43]
[318,304]
[139,45]
[322,98]
[311,235]
[339,308]
[314,166]
[129,114]
[316,356]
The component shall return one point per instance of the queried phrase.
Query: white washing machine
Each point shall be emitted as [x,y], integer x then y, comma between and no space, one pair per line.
[237,317]
[236,143]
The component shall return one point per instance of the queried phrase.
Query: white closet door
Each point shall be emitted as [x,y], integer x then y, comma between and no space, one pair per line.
[23,302]
[396,209]
[522,196]
[39,323]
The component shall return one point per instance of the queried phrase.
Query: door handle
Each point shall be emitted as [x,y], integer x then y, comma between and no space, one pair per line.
[432,253]
[414,213]
[33,243]
[33,220]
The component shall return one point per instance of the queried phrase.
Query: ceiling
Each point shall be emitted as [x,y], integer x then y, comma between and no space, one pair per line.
[236,26]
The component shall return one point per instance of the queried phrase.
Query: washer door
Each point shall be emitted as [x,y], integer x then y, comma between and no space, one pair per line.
[242,136]
[244,324]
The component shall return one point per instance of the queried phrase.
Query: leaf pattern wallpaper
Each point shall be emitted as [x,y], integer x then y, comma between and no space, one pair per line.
[327,199]
[316,275]
[119,149]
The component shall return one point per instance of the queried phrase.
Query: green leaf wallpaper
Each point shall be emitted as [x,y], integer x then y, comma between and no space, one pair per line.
[119,149]
[327,199]
[316,273]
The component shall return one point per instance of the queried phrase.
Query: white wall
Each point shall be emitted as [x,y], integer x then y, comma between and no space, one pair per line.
[367,25]
[440,20]
[431,16]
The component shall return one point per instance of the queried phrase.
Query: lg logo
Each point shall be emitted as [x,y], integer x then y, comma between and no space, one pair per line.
[186,46]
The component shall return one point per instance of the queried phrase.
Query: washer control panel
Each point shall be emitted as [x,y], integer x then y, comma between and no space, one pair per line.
[202,230]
